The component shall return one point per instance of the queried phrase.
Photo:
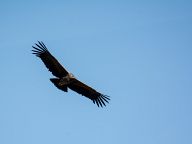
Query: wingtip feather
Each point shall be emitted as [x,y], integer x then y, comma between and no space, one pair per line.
[101,100]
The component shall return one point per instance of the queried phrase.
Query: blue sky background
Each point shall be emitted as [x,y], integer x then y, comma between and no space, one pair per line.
[137,52]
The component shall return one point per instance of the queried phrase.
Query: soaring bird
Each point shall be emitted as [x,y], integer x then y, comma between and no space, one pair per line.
[64,79]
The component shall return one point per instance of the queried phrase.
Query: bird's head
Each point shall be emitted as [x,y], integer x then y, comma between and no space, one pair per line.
[71,75]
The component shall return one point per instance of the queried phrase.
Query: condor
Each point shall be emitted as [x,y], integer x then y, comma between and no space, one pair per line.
[64,79]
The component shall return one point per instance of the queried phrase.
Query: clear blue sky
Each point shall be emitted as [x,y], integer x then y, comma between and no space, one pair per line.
[137,52]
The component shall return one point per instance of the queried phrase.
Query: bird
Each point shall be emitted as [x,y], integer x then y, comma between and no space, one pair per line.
[65,80]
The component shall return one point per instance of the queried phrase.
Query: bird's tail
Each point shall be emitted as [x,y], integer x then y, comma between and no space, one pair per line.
[56,81]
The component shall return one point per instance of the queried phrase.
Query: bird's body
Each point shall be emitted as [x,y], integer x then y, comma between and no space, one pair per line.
[64,79]
[63,82]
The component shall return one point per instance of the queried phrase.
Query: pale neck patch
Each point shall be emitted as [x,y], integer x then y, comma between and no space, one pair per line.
[71,75]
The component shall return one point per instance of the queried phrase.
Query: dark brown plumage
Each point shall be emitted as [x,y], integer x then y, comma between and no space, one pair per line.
[65,79]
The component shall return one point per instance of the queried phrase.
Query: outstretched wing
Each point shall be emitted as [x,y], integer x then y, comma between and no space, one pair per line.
[88,92]
[50,62]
